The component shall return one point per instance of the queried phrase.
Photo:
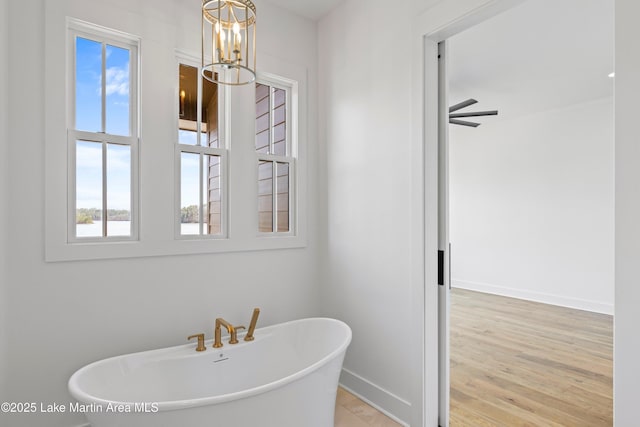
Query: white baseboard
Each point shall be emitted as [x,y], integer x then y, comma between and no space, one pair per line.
[383,400]
[580,304]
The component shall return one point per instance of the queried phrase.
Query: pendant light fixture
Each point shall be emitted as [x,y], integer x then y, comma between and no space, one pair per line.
[229,40]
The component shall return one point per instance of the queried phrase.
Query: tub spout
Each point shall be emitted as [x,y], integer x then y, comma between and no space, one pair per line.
[233,332]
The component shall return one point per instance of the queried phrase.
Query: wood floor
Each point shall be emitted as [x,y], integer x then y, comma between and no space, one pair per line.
[353,412]
[519,363]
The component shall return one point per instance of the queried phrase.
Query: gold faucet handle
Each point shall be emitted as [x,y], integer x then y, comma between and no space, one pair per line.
[234,334]
[200,337]
[252,325]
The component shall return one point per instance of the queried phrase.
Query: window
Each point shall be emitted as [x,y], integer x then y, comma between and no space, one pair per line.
[275,117]
[119,122]
[201,156]
[102,135]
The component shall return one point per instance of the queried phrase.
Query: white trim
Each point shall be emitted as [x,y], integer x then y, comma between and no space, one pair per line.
[106,37]
[183,58]
[443,236]
[395,407]
[563,301]
[431,26]
[156,235]
[290,87]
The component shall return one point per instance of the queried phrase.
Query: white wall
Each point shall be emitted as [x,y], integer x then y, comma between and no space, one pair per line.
[627,268]
[65,315]
[4,184]
[365,134]
[350,292]
[532,206]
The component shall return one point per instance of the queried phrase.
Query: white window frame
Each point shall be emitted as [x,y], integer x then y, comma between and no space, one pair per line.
[157,88]
[77,28]
[291,89]
[201,150]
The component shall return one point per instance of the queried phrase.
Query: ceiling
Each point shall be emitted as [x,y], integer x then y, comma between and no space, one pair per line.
[538,56]
[312,9]
[316,9]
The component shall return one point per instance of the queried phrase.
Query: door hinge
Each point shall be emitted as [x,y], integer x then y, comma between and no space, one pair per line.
[441,268]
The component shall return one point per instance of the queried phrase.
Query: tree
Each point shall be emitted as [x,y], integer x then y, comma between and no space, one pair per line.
[189,214]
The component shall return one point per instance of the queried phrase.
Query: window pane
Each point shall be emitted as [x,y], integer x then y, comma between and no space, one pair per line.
[209,114]
[279,115]
[262,91]
[282,185]
[271,120]
[189,193]
[279,133]
[279,122]
[262,142]
[212,194]
[88,112]
[117,91]
[279,97]
[188,105]
[263,118]
[118,190]
[265,197]
[88,189]
[262,124]
[187,137]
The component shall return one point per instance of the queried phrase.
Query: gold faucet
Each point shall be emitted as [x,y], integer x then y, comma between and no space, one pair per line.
[252,325]
[200,337]
[233,332]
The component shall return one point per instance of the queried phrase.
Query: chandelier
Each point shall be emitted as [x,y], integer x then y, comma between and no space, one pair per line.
[229,39]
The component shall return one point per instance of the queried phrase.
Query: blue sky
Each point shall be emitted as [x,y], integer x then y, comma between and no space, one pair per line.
[88,117]
[89,87]
[190,179]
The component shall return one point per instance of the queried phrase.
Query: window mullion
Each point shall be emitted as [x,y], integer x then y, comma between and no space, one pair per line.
[202,157]
[104,88]
[103,107]
[104,189]
[274,195]
[199,110]
[200,198]
[271,120]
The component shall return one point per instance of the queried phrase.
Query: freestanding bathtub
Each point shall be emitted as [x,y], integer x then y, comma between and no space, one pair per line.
[286,377]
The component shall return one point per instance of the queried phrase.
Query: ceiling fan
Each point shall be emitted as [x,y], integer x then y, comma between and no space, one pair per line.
[453,118]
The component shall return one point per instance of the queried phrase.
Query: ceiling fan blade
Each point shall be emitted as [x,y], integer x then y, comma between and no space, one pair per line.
[463,123]
[476,114]
[461,105]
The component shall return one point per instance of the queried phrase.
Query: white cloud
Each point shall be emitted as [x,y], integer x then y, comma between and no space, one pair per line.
[118,80]
[89,155]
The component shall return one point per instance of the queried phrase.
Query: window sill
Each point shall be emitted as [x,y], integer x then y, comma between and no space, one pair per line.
[140,249]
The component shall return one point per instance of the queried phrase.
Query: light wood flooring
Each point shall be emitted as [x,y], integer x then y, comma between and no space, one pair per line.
[520,363]
[353,412]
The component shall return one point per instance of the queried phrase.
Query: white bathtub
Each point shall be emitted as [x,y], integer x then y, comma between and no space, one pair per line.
[286,377]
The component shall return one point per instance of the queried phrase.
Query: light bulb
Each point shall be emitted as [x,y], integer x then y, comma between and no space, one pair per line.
[236,28]
[217,27]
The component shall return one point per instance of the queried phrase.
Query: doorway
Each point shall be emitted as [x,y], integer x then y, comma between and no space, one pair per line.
[553,275]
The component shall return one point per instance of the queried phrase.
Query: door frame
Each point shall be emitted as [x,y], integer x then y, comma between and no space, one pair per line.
[434,25]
